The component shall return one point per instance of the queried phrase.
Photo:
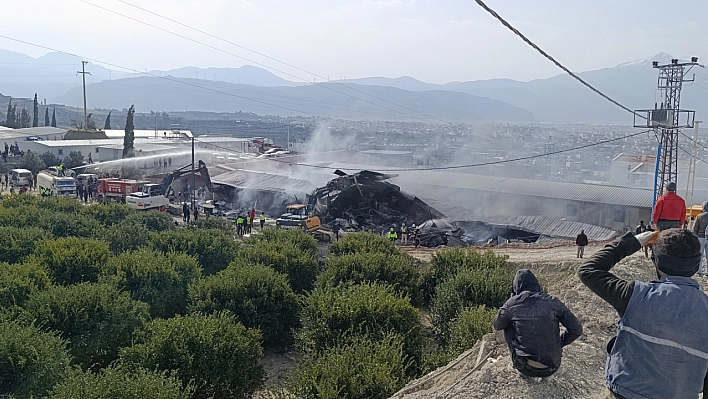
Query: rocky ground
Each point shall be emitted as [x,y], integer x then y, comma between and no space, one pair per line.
[485,371]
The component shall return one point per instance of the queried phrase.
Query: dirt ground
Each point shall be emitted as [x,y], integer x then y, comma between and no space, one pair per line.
[485,371]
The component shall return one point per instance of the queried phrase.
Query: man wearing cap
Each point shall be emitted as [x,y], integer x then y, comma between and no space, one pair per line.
[670,209]
[660,350]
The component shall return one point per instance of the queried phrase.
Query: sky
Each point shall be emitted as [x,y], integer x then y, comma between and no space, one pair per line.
[436,41]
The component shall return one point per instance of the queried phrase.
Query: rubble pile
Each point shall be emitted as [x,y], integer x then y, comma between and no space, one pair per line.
[367,201]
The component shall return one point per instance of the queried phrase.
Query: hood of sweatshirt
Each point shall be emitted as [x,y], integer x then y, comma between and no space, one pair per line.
[525,281]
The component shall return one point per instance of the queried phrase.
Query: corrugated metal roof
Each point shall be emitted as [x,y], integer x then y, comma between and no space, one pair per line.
[594,193]
[553,227]
[8,134]
[263,181]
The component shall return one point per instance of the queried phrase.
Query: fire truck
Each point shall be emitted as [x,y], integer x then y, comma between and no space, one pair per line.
[116,190]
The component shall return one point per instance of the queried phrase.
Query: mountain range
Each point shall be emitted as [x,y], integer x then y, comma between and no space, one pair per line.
[253,89]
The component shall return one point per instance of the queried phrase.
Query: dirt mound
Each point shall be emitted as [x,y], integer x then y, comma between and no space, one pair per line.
[485,371]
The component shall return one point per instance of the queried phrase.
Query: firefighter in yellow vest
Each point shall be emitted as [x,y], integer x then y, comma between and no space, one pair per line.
[392,235]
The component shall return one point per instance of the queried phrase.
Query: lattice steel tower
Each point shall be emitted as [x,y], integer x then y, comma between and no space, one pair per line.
[668,119]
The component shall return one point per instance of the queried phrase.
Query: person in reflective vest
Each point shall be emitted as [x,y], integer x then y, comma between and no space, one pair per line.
[239,225]
[248,224]
[392,235]
[262,218]
[404,234]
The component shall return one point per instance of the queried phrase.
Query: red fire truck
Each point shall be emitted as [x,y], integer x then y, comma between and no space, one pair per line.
[115,190]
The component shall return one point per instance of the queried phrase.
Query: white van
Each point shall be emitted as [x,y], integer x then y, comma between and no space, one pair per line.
[20,177]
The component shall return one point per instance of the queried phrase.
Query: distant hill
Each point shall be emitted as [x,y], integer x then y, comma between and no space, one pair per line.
[247,74]
[149,93]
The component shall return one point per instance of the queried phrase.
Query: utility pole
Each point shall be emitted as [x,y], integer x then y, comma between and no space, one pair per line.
[690,182]
[667,120]
[83,76]
[194,179]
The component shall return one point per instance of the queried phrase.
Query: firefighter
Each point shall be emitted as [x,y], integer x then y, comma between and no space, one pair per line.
[249,223]
[404,234]
[262,218]
[239,225]
[392,235]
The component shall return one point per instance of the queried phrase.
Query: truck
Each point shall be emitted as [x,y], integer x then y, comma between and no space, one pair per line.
[155,196]
[58,186]
[116,190]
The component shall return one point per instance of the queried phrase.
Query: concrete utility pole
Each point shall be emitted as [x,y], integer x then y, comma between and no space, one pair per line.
[667,120]
[690,182]
[83,76]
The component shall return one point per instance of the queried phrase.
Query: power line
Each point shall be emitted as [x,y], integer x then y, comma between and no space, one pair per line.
[465,166]
[689,153]
[553,60]
[263,65]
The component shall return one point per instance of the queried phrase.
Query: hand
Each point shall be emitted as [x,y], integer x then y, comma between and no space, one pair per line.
[647,238]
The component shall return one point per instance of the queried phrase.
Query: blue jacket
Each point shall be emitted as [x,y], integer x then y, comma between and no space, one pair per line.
[661,348]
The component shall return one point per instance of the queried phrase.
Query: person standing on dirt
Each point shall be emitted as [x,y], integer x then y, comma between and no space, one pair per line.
[404,234]
[185,211]
[581,241]
[670,210]
[530,322]
[262,219]
[641,228]
[335,230]
[660,350]
[699,229]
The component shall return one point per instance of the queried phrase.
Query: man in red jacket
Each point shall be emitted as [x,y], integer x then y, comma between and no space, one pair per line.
[670,210]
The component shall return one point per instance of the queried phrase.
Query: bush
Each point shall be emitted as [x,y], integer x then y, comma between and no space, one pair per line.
[331,316]
[152,220]
[97,319]
[401,271]
[259,296]
[157,279]
[127,236]
[469,327]
[116,383]
[213,249]
[363,369]
[214,223]
[60,204]
[73,225]
[300,267]
[19,242]
[362,242]
[447,263]
[488,287]
[72,260]
[31,362]
[107,214]
[18,282]
[219,356]
[303,241]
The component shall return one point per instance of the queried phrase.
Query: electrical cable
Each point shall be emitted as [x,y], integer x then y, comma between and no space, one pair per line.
[461,166]
[266,66]
[553,60]
[689,153]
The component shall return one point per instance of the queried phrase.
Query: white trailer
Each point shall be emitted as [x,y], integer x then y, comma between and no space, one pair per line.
[151,197]
[57,185]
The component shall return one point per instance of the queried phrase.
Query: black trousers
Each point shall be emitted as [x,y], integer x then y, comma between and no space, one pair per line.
[522,366]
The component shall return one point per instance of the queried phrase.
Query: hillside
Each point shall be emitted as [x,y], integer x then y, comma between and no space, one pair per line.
[327,100]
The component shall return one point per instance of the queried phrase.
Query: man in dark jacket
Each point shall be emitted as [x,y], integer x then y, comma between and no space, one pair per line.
[581,241]
[670,209]
[699,229]
[660,350]
[530,322]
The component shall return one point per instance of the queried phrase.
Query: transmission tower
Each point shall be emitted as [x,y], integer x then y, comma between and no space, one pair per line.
[667,120]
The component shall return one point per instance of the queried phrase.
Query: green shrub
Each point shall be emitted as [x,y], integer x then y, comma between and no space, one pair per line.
[469,327]
[127,236]
[22,216]
[96,319]
[398,270]
[447,263]
[300,267]
[107,214]
[72,260]
[331,316]
[362,242]
[31,362]
[363,369]
[158,279]
[214,223]
[305,242]
[473,287]
[116,383]
[60,204]
[19,200]
[73,225]
[153,220]
[215,353]
[18,282]
[16,242]
[213,249]
[259,296]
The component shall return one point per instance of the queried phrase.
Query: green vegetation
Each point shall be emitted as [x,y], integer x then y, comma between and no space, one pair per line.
[116,383]
[362,242]
[213,249]
[19,242]
[72,260]
[18,282]
[300,266]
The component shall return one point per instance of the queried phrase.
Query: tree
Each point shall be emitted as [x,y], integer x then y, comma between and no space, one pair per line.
[35,112]
[10,120]
[129,138]
[31,161]
[300,266]
[54,118]
[107,125]
[49,159]
[18,282]
[90,124]
[25,119]
[46,117]
[216,353]
[18,242]
[72,260]
[73,160]
[213,249]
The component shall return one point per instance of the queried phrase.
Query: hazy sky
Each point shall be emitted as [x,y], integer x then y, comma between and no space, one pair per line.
[433,40]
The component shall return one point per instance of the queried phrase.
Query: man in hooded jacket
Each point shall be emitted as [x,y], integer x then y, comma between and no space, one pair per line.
[530,322]
[699,229]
